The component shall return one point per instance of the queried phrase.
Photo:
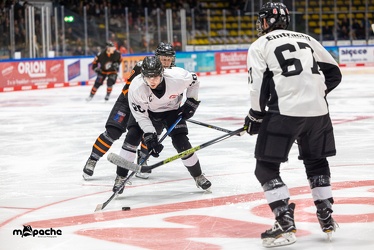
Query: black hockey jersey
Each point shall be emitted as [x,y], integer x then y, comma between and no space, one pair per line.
[106,62]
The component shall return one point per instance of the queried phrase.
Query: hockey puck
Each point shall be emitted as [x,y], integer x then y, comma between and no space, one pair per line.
[126,208]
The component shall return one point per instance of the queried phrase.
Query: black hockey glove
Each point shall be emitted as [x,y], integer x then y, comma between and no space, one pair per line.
[187,110]
[253,121]
[98,70]
[115,66]
[154,147]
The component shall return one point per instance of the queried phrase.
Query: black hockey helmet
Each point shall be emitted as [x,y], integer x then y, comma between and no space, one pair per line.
[109,44]
[165,49]
[152,67]
[276,16]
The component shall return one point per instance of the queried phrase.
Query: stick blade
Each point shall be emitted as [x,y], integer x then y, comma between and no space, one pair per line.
[119,161]
[99,207]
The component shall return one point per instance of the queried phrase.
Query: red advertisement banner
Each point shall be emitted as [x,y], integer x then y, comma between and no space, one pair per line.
[31,73]
[235,61]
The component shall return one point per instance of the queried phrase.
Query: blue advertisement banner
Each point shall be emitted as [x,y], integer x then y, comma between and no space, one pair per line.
[196,61]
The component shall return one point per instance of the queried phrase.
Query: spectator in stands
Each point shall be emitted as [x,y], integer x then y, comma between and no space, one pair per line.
[69,36]
[327,33]
[358,30]
[124,48]
[113,39]
[343,33]
[345,22]
[177,44]
[78,51]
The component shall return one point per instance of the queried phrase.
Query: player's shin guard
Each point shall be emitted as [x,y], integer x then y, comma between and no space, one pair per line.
[108,91]
[94,89]
[141,160]
[101,146]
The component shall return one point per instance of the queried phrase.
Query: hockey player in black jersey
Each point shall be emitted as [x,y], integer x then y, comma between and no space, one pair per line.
[290,75]
[106,66]
[120,113]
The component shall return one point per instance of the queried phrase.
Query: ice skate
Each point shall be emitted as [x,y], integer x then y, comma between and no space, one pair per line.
[119,184]
[143,175]
[283,231]
[202,182]
[89,98]
[140,159]
[107,97]
[327,223]
[89,168]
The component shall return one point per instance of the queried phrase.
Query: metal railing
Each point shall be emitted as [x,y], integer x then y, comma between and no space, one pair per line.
[55,31]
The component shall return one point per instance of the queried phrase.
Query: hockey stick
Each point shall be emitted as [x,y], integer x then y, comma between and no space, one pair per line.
[212,126]
[118,160]
[103,205]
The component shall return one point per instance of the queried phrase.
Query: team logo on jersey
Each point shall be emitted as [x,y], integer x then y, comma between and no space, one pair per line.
[108,65]
[150,99]
[173,96]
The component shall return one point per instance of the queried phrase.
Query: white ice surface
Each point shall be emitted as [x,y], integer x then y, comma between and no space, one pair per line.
[47,135]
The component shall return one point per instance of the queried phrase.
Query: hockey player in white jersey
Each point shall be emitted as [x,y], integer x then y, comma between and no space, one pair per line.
[290,75]
[155,99]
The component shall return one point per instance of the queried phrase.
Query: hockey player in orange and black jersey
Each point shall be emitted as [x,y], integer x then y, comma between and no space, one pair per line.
[120,113]
[108,69]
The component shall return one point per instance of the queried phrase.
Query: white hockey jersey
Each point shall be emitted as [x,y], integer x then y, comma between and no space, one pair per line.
[178,81]
[290,73]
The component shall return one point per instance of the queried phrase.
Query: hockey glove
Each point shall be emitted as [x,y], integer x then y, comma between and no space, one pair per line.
[154,147]
[253,121]
[115,66]
[187,110]
[98,70]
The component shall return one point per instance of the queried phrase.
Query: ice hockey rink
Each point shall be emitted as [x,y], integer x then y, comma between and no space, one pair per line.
[47,135]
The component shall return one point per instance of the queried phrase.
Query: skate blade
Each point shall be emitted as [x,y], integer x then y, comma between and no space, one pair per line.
[329,232]
[282,240]
[86,177]
[329,236]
